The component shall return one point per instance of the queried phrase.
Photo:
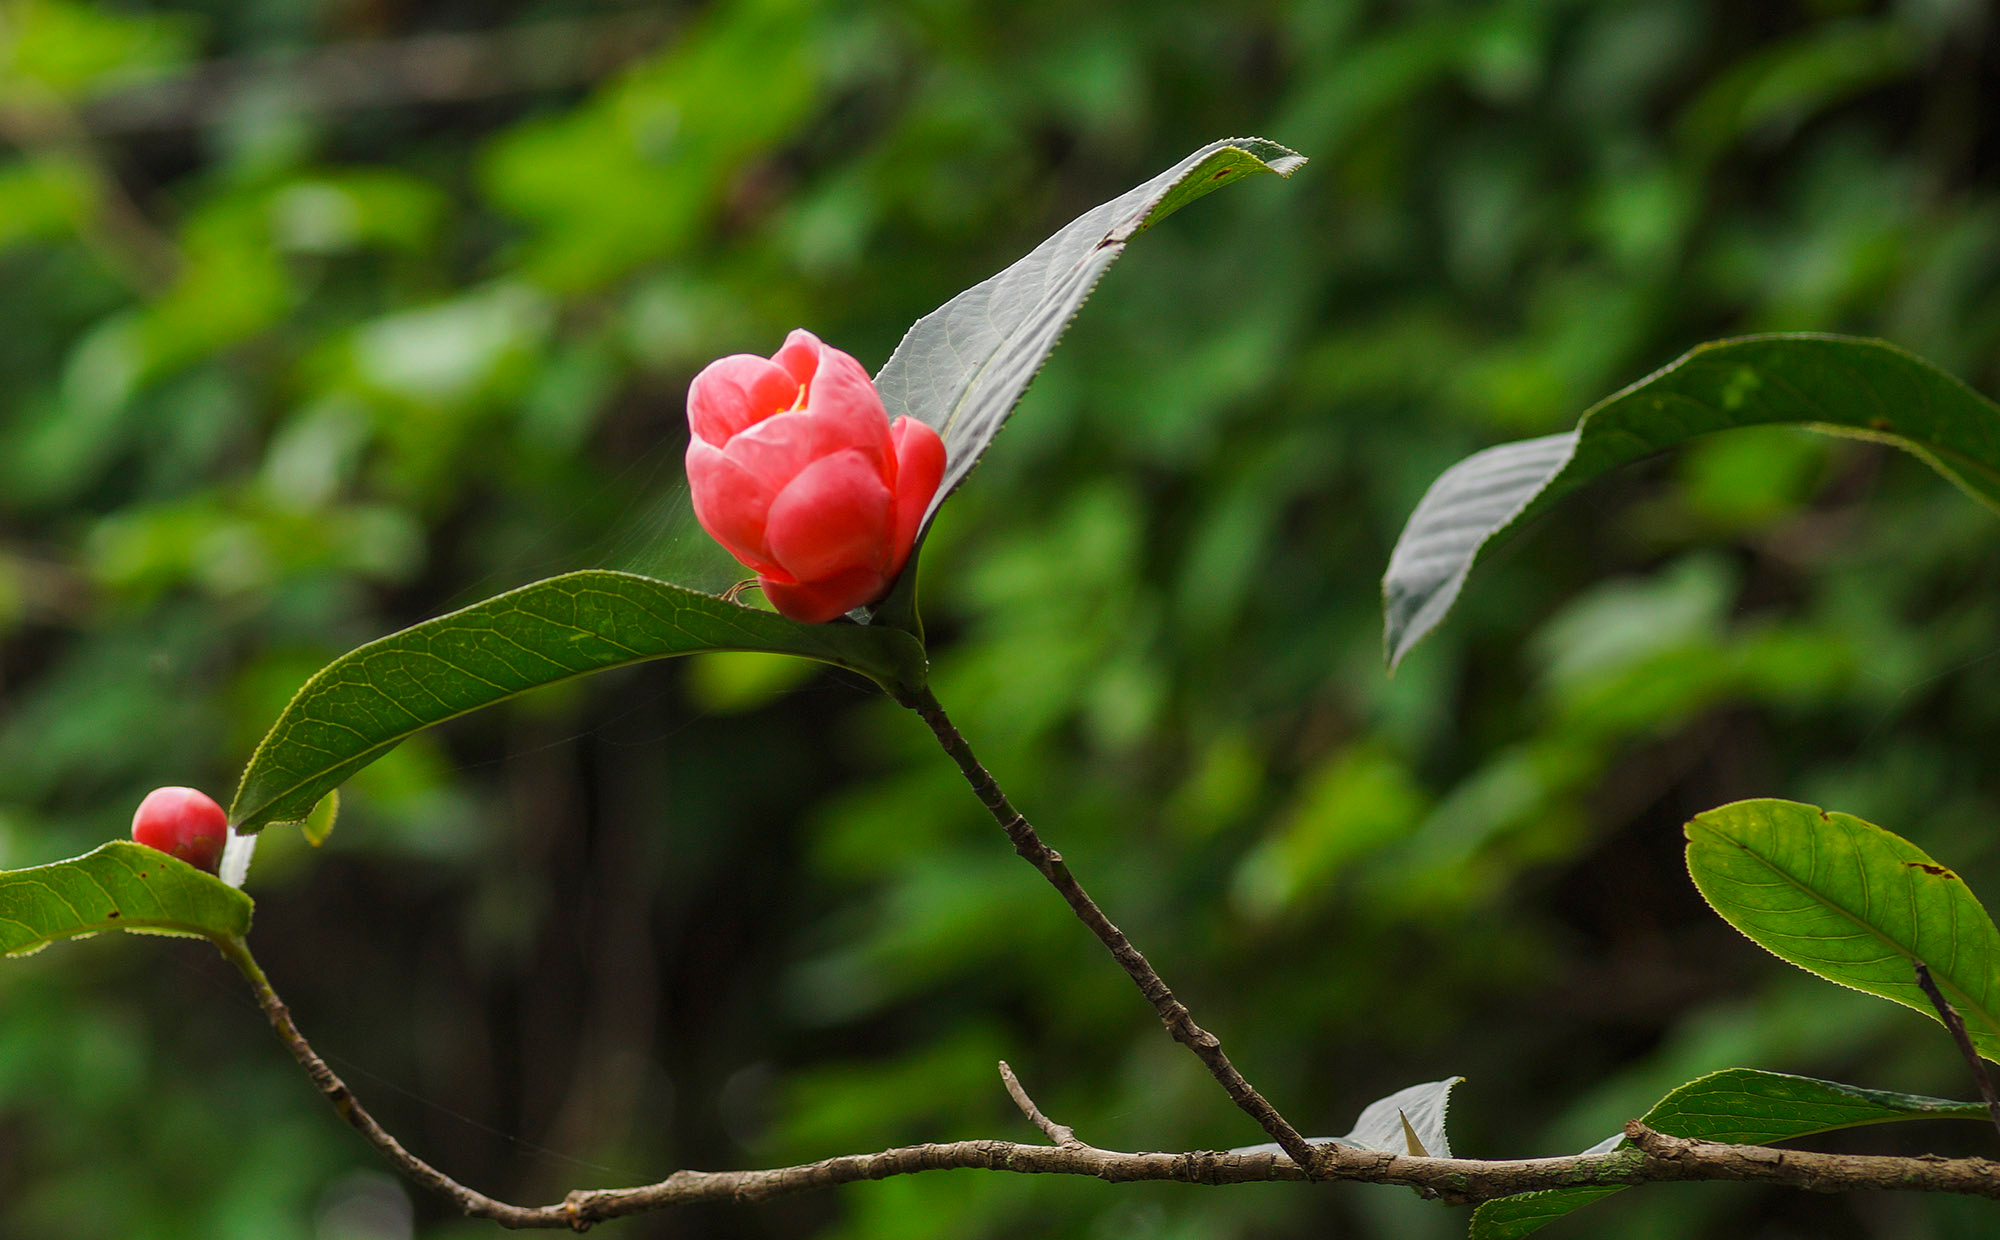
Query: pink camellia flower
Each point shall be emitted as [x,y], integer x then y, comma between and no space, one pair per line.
[795,469]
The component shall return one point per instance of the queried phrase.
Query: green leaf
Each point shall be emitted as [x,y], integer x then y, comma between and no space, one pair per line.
[362,704]
[121,886]
[1851,902]
[1741,1106]
[1861,388]
[963,367]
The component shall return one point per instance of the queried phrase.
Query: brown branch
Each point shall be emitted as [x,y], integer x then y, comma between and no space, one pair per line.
[1060,1134]
[1173,1013]
[1658,1157]
[1456,1180]
[1681,1158]
[475,1204]
[1956,1024]
[438,68]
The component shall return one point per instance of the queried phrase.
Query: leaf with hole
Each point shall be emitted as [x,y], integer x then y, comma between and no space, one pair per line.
[364,703]
[1860,388]
[120,886]
[1740,1106]
[1851,902]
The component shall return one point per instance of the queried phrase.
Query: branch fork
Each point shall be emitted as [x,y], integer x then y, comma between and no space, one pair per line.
[1653,1156]
[1059,1135]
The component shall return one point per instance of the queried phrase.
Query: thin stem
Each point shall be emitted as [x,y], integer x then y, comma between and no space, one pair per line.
[1173,1013]
[1956,1024]
[472,1202]
[1059,1134]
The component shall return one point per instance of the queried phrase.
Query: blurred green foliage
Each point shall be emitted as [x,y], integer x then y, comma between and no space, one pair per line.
[316,320]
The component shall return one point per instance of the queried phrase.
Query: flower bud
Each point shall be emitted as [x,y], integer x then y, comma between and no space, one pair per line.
[794,468]
[183,823]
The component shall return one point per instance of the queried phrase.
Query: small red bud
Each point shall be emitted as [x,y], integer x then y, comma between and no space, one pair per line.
[183,823]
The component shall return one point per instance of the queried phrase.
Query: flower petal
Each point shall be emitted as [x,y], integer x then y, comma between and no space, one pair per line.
[919,468]
[843,399]
[731,503]
[816,602]
[799,356]
[776,449]
[736,392]
[834,517]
